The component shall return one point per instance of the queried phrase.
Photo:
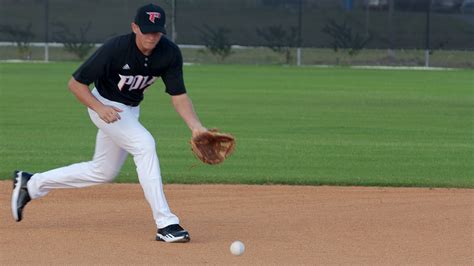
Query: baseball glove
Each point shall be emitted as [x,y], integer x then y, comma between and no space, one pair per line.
[212,147]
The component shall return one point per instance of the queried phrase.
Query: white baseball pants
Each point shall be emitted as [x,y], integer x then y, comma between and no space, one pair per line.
[114,142]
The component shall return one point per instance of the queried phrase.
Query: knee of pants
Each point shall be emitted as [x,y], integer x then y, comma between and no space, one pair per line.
[145,145]
[103,172]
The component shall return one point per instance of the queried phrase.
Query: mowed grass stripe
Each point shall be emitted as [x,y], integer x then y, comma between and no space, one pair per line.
[312,126]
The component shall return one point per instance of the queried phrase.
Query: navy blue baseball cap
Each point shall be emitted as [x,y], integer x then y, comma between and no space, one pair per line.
[151,18]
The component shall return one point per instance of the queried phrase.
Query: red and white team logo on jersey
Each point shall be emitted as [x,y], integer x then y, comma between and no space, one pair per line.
[153,15]
[137,82]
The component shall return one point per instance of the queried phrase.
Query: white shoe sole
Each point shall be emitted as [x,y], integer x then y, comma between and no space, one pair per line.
[15,194]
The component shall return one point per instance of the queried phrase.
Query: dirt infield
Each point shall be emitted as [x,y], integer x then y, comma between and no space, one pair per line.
[286,225]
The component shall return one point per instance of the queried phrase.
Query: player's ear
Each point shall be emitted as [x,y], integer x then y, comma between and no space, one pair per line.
[135,28]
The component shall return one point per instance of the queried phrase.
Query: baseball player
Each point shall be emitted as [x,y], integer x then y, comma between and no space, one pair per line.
[121,70]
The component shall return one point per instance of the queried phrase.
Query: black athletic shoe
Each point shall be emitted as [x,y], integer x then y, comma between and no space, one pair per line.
[20,196]
[173,233]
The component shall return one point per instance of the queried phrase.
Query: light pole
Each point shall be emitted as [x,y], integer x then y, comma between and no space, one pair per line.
[46,30]
[298,50]
[173,21]
[391,52]
[427,34]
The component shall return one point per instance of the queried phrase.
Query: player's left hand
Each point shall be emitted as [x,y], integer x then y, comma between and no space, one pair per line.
[212,146]
[198,131]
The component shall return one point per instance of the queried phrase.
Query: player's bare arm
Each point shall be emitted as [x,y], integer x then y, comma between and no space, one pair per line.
[183,105]
[107,113]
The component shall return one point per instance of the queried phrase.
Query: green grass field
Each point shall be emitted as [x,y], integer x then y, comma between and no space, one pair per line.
[312,126]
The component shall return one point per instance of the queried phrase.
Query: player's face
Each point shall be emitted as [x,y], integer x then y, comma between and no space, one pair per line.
[146,42]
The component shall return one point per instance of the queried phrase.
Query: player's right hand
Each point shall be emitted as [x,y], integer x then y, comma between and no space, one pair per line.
[109,113]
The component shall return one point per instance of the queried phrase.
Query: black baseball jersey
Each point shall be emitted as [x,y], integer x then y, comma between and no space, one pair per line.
[121,72]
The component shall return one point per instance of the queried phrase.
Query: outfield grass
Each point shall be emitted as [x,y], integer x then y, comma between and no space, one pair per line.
[314,126]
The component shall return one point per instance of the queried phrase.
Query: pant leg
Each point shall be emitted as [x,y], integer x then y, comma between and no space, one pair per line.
[104,167]
[130,135]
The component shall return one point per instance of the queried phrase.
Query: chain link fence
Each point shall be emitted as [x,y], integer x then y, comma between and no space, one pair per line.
[387,32]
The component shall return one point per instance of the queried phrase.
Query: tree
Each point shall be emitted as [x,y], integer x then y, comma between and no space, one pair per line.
[73,43]
[344,39]
[22,37]
[216,41]
[280,40]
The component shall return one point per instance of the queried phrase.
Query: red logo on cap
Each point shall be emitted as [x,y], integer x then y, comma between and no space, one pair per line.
[153,15]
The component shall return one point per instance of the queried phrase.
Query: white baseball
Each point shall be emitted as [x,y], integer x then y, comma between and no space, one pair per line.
[237,248]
